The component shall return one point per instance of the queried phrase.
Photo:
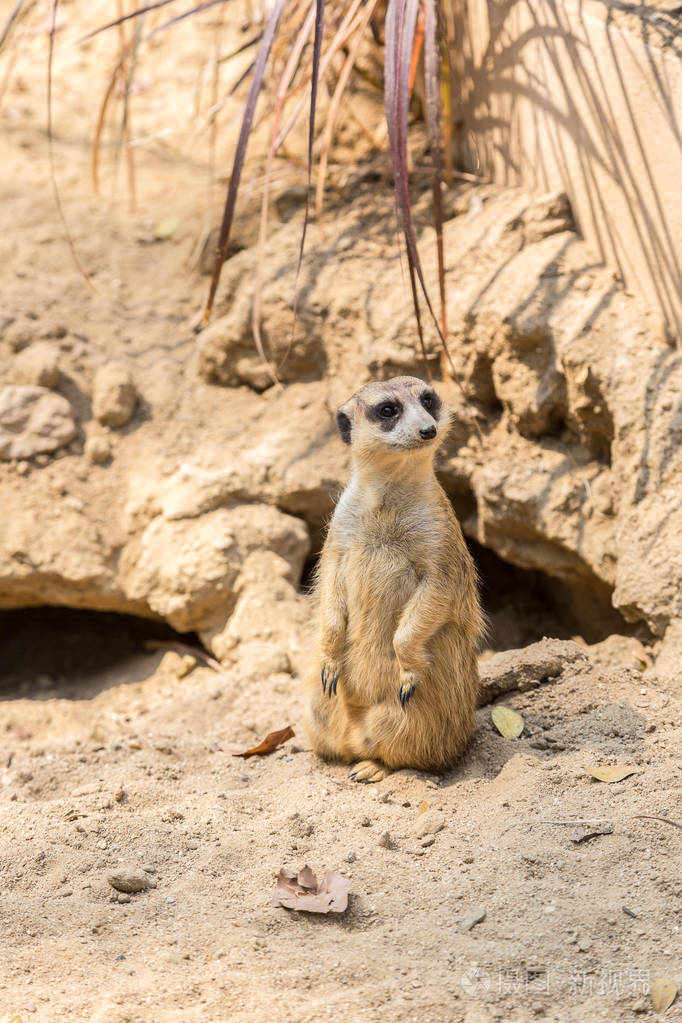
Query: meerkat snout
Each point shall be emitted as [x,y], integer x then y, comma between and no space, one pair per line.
[393,416]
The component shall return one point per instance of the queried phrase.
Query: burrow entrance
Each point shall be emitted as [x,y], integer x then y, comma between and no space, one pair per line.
[76,654]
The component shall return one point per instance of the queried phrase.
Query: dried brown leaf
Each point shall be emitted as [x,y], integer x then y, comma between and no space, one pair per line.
[271,742]
[303,892]
[609,773]
[507,721]
[662,991]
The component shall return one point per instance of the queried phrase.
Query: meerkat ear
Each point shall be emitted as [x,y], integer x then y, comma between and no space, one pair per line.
[344,423]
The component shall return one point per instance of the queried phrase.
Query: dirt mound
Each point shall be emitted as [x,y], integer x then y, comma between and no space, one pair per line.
[576,476]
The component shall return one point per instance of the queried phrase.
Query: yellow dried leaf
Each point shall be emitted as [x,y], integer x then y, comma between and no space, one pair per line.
[507,721]
[166,228]
[422,808]
[662,992]
[608,773]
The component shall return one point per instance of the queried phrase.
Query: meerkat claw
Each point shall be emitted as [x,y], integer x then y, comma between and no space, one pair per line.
[406,695]
[330,680]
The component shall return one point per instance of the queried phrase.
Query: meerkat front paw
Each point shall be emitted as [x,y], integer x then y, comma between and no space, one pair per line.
[368,771]
[408,685]
[331,670]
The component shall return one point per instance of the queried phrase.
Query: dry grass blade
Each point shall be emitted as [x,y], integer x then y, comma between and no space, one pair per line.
[101,117]
[433,128]
[188,14]
[238,164]
[335,105]
[14,18]
[346,29]
[317,53]
[127,17]
[50,148]
[655,817]
[282,90]
[401,18]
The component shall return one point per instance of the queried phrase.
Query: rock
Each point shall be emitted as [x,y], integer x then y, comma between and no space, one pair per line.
[650,542]
[188,571]
[626,651]
[37,365]
[518,670]
[549,344]
[668,664]
[20,334]
[227,354]
[33,421]
[129,879]
[428,823]
[98,449]
[123,898]
[470,919]
[114,395]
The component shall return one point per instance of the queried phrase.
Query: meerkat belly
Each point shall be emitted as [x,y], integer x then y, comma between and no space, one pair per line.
[380,582]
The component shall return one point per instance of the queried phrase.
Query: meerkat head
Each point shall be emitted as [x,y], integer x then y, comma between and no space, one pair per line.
[393,417]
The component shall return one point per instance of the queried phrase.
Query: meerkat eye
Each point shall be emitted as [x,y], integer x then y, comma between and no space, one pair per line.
[388,410]
[427,401]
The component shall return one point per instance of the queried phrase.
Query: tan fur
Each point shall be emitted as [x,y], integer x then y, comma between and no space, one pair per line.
[398,602]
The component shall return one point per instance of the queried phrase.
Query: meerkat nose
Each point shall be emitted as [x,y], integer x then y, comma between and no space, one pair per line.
[427,432]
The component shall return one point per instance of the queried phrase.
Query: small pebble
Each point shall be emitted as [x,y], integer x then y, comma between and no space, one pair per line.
[426,842]
[350,857]
[128,879]
[123,898]
[64,893]
[98,449]
[475,916]
[170,900]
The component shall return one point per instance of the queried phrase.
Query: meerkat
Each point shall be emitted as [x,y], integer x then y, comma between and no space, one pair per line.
[396,677]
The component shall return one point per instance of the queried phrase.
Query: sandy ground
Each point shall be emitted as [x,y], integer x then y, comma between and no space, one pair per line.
[110,756]
[138,771]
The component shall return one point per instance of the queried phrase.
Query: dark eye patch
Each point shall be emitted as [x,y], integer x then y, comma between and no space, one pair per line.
[431,402]
[385,413]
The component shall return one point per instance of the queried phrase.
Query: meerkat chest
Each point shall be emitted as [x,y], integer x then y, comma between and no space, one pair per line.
[386,553]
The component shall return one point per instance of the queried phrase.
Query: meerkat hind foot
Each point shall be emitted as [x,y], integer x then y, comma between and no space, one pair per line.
[368,771]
